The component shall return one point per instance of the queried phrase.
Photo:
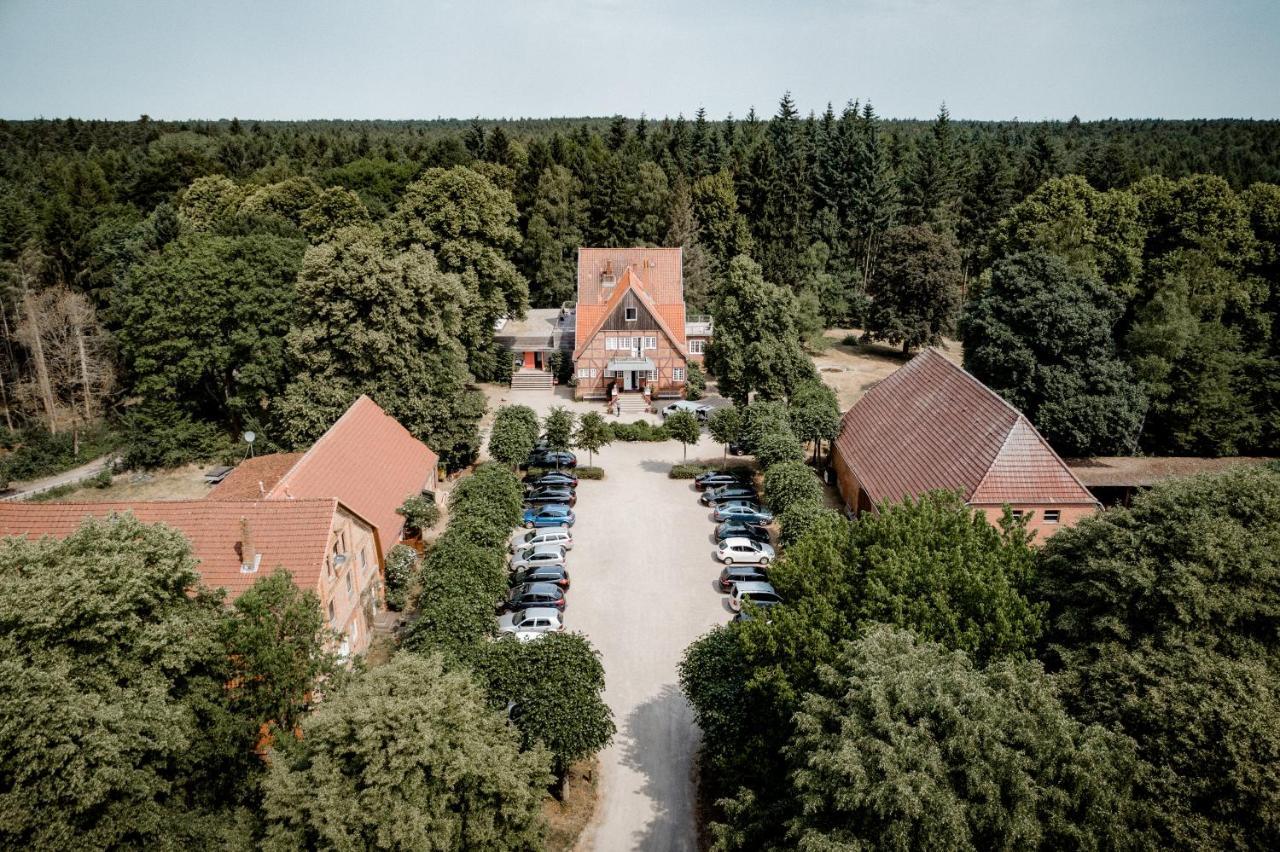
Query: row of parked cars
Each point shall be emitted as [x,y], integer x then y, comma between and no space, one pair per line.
[537,566]
[742,538]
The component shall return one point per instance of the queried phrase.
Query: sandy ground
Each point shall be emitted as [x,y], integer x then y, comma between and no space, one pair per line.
[643,574]
[851,371]
[182,483]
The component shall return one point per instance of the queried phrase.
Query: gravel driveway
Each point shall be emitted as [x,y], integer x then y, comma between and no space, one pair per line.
[643,589]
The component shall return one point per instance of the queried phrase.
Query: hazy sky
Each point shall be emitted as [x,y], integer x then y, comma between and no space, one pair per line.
[1030,59]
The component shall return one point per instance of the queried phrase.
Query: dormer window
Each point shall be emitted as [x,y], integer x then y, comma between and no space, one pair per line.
[629,314]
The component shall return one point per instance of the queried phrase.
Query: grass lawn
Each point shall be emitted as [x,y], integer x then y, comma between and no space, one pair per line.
[181,483]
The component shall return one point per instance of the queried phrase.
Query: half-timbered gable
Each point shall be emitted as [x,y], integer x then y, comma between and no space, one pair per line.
[631,323]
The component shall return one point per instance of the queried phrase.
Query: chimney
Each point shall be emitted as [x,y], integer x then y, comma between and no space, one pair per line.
[607,279]
[249,556]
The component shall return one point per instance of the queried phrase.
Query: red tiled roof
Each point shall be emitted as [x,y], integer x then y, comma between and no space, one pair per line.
[629,282]
[292,535]
[931,425]
[660,271]
[254,478]
[369,462]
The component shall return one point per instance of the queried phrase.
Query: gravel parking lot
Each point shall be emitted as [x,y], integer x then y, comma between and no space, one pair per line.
[643,588]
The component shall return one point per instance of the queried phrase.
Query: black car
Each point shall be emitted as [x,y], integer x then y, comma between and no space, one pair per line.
[529,595]
[738,529]
[717,479]
[741,574]
[550,496]
[736,449]
[556,575]
[725,493]
[556,478]
[550,458]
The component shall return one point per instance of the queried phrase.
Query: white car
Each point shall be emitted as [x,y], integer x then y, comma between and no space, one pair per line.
[531,623]
[522,539]
[536,556]
[744,551]
[702,412]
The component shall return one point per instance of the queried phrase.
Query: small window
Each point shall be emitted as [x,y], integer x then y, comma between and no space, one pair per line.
[611,343]
[1052,516]
[364,558]
[696,347]
[651,343]
[584,372]
[678,374]
[350,590]
[1018,513]
[331,612]
[629,314]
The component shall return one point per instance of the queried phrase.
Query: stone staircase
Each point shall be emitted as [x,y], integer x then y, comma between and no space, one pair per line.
[631,404]
[531,380]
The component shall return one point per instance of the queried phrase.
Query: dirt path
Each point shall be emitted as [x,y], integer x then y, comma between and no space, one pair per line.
[23,490]
[643,575]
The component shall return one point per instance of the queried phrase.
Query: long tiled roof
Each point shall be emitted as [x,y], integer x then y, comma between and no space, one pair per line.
[292,535]
[368,461]
[931,425]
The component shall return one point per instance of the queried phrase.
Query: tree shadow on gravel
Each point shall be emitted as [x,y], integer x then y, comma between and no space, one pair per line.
[660,742]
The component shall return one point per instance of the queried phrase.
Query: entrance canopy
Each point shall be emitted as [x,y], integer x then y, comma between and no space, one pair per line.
[628,364]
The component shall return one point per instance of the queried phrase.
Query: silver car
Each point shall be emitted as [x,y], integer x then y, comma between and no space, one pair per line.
[699,411]
[540,554]
[531,623]
[762,594]
[522,539]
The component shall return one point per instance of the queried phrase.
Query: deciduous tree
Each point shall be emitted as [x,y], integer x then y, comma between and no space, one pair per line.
[915,291]
[685,428]
[593,434]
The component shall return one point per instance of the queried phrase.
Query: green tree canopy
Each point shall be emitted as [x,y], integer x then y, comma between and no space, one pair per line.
[470,226]
[386,323]
[906,745]
[685,428]
[202,324]
[407,756]
[593,434]
[557,426]
[788,483]
[915,291]
[756,345]
[724,425]
[562,707]
[512,437]
[1039,336]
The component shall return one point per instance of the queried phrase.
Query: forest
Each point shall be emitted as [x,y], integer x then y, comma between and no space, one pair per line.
[174,284]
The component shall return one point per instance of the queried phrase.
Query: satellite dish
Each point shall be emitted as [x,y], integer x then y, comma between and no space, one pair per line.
[249,437]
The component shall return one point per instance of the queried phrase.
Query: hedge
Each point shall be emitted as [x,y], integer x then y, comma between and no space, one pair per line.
[641,430]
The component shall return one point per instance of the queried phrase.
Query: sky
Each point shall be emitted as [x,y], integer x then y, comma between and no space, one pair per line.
[294,59]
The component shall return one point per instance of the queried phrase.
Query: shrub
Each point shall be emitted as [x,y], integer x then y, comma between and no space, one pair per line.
[777,446]
[688,470]
[420,513]
[800,517]
[161,434]
[493,491]
[401,561]
[514,432]
[849,340]
[696,382]
[37,452]
[641,430]
[790,482]
[588,472]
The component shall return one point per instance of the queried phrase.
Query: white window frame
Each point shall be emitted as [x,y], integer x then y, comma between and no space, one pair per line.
[630,314]
[1052,516]
[697,347]
[584,372]
[651,342]
[611,343]
[677,374]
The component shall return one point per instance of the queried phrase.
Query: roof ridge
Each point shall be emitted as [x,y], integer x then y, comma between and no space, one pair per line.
[297,466]
[625,284]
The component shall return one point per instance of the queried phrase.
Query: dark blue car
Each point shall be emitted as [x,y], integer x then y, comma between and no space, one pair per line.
[558,515]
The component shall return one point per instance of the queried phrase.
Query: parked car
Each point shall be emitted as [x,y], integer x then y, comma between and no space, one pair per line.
[539,554]
[718,478]
[532,622]
[737,449]
[551,458]
[744,615]
[558,478]
[759,593]
[725,493]
[739,529]
[733,550]
[557,575]
[555,515]
[530,595]
[745,511]
[549,495]
[741,574]
[520,539]
[702,412]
